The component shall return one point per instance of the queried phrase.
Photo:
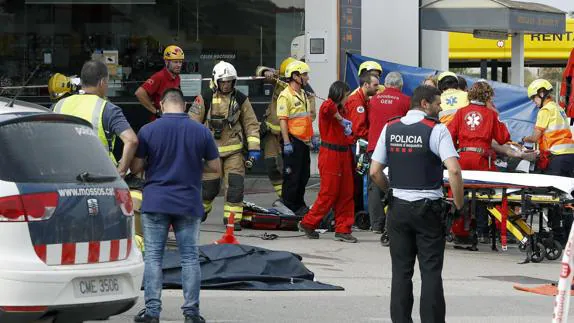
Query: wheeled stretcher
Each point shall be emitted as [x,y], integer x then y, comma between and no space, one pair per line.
[514,200]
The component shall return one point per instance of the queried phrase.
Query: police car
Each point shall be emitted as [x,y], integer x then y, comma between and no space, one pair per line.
[66,221]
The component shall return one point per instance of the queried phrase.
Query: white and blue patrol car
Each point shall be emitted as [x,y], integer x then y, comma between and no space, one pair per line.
[66,221]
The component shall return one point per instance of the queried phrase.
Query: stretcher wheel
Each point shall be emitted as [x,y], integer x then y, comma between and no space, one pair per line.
[362,220]
[449,237]
[538,253]
[555,251]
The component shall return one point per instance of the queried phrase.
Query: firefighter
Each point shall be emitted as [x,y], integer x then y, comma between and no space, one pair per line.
[107,118]
[551,132]
[474,127]
[452,98]
[149,94]
[228,114]
[335,168]
[373,68]
[296,122]
[270,129]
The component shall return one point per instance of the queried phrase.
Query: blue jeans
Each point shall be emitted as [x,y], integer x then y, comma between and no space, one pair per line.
[155,229]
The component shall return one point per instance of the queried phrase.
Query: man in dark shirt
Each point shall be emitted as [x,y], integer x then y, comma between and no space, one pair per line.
[173,164]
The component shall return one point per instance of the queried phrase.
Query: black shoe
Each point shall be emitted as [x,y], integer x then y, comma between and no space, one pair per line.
[194,319]
[236,226]
[302,211]
[310,233]
[385,241]
[345,237]
[141,317]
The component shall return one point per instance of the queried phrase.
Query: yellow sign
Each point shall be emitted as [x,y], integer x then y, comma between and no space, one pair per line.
[536,46]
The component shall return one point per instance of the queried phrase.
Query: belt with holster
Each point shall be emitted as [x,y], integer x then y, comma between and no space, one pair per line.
[334,147]
[472,149]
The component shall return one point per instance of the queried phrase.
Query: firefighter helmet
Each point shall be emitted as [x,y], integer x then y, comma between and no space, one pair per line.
[60,85]
[296,67]
[370,66]
[223,71]
[284,65]
[173,52]
[538,85]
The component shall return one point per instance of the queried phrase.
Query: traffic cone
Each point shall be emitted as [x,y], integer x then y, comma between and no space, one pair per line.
[228,237]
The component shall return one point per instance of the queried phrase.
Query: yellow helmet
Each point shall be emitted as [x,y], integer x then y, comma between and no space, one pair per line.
[370,66]
[59,85]
[445,74]
[173,52]
[538,84]
[284,64]
[296,66]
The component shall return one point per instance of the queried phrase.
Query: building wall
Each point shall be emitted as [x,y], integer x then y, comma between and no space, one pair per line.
[390,30]
[321,17]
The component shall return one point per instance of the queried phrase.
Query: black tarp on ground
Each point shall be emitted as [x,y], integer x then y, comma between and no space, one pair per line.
[242,267]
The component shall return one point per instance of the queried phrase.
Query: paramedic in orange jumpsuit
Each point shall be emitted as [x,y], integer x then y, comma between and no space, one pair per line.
[474,127]
[335,168]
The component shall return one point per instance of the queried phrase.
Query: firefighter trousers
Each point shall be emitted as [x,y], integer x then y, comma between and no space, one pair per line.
[273,160]
[296,173]
[233,183]
[336,174]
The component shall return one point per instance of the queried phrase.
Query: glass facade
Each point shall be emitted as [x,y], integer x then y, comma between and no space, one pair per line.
[61,37]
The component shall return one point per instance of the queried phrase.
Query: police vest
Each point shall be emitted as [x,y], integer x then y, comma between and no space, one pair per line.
[90,108]
[412,164]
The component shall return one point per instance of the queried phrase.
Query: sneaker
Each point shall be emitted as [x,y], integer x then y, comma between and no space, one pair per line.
[345,237]
[310,233]
[141,317]
[194,319]
[377,231]
[236,226]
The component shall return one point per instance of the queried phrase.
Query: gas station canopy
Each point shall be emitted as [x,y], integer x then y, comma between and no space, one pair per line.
[505,16]
[495,19]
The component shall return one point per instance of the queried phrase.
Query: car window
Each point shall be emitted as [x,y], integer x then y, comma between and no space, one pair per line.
[51,151]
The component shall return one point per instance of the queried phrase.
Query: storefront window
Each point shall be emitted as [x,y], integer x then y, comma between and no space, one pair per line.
[61,37]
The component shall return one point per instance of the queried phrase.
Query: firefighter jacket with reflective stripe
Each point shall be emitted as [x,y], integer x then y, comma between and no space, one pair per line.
[412,164]
[239,123]
[295,108]
[270,116]
[450,101]
[89,107]
[556,135]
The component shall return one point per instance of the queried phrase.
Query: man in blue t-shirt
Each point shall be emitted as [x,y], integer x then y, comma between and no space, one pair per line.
[174,151]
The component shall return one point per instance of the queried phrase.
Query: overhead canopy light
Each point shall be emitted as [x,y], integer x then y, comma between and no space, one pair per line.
[490,34]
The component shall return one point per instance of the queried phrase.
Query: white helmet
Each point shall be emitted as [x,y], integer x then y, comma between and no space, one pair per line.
[223,71]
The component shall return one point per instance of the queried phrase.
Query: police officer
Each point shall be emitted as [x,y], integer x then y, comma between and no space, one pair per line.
[229,115]
[107,118]
[415,147]
[271,131]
